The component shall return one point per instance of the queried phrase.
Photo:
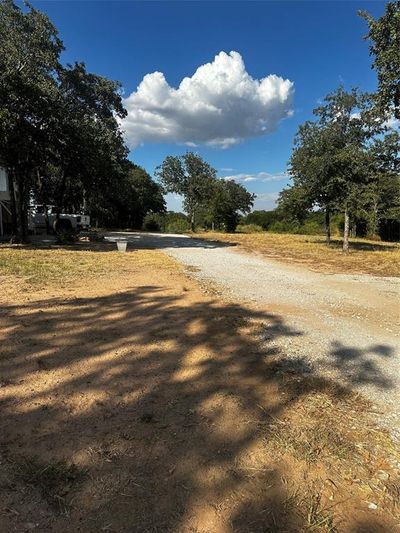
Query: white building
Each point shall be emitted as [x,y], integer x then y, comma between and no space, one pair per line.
[5,211]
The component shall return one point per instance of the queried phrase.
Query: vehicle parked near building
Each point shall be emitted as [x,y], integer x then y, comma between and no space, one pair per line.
[45,217]
[5,206]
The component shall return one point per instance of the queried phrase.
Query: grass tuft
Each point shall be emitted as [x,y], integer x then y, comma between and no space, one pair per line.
[313,515]
[318,518]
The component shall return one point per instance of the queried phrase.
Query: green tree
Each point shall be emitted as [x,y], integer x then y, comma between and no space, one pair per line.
[294,204]
[384,34]
[191,177]
[262,218]
[330,163]
[147,196]
[314,175]
[29,59]
[89,151]
[228,202]
[59,134]
[136,196]
[385,188]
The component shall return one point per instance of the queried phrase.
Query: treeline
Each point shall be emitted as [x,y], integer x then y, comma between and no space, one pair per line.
[61,144]
[277,221]
[347,160]
[210,202]
[60,140]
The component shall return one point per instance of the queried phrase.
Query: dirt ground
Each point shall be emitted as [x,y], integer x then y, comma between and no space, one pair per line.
[131,400]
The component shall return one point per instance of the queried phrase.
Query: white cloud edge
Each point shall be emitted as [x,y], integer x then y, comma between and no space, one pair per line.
[258,176]
[220,105]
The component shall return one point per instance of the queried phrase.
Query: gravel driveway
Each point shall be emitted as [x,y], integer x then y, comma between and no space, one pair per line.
[347,326]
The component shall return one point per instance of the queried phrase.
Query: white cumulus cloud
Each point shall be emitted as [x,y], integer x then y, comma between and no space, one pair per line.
[392,123]
[220,105]
[259,176]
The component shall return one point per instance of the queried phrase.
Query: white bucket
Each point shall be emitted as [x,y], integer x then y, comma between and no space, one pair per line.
[121,245]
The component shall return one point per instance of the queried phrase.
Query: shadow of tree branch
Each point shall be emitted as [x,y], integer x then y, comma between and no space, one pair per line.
[163,400]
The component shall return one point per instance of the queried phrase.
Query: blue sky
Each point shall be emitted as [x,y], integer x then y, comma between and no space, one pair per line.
[316,45]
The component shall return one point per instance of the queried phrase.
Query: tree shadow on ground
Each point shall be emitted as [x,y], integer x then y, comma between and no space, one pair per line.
[365,246]
[151,241]
[361,366]
[164,401]
[135,241]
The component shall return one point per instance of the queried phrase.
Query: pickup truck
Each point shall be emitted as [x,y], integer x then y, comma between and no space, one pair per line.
[37,219]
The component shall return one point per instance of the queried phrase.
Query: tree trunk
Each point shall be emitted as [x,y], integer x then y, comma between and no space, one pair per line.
[346,230]
[14,224]
[328,225]
[22,209]
[60,202]
[46,219]
[192,222]
[375,220]
[18,198]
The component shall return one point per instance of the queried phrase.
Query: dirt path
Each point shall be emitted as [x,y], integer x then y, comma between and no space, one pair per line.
[347,325]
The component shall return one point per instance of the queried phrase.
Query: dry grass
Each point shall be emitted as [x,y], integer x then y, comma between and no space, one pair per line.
[315,516]
[40,268]
[336,440]
[365,257]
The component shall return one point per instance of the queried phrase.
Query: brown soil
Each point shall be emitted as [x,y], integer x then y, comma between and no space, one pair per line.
[136,402]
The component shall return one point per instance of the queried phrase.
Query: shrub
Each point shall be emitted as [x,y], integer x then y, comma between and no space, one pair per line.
[177,226]
[66,237]
[152,222]
[310,227]
[262,218]
[248,228]
[282,227]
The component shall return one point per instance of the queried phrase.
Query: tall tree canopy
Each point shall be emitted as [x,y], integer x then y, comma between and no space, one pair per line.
[29,61]
[60,139]
[228,202]
[384,35]
[219,202]
[385,191]
[331,164]
[127,202]
[190,176]
[87,153]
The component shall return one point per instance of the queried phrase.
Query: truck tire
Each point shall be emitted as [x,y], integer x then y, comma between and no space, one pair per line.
[62,225]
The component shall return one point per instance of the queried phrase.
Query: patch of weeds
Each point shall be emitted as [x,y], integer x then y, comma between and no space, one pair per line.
[292,501]
[315,518]
[53,480]
[66,238]
[318,518]
[319,428]
[310,442]
[392,487]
